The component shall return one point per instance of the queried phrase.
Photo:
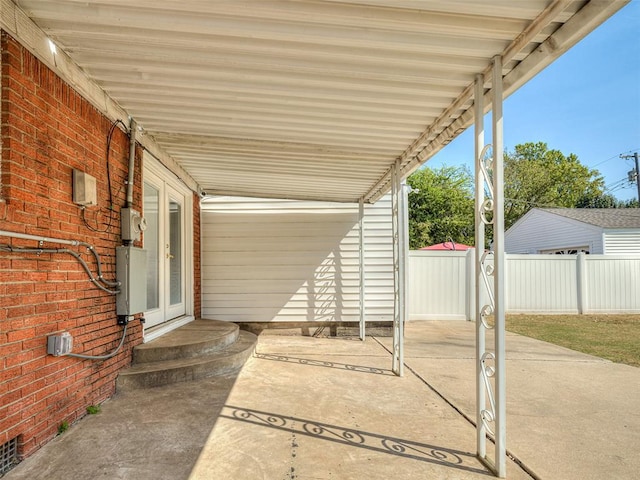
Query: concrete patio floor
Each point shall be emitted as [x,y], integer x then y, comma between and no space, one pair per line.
[329,408]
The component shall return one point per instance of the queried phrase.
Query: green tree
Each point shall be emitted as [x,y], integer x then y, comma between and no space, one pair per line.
[535,176]
[441,206]
[606,201]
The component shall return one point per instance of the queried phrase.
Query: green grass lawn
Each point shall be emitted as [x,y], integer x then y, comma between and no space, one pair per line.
[614,337]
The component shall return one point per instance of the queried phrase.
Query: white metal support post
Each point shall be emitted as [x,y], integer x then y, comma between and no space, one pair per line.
[490,270]
[478,112]
[361,260]
[499,269]
[399,269]
[404,250]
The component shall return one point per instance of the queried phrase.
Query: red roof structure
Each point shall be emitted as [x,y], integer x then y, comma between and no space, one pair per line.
[448,246]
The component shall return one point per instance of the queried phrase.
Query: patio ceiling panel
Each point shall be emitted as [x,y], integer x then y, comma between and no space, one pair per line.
[303,99]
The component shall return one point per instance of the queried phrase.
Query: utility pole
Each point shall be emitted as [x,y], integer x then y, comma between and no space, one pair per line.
[634,173]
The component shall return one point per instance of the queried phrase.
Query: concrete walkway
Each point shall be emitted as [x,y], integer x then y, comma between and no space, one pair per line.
[329,408]
[569,415]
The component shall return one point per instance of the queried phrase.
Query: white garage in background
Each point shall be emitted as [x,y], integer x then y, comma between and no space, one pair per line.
[608,231]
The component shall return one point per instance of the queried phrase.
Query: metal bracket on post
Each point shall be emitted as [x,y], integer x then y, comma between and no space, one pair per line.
[490,269]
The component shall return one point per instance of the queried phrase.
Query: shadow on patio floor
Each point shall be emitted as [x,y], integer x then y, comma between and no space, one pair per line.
[300,409]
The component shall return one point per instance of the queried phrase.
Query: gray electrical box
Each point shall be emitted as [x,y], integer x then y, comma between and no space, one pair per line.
[58,345]
[131,272]
[84,189]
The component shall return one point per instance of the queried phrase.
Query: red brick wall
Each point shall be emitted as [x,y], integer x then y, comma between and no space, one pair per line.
[47,129]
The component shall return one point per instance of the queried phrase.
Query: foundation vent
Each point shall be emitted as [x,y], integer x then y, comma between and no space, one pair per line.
[8,456]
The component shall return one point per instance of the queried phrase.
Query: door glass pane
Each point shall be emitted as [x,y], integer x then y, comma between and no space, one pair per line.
[150,236]
[175,253]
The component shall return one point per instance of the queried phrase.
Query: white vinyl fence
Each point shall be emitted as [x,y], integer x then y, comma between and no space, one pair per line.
[442,284]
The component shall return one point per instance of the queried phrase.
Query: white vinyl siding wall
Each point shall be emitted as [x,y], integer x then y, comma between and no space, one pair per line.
[378,260]
[622,242]
[540,231]
[278,260]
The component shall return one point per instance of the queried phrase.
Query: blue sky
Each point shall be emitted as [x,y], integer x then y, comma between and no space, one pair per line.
[587,102]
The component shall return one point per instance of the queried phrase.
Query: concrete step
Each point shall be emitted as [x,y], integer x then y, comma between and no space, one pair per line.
[208,363]
[194,339]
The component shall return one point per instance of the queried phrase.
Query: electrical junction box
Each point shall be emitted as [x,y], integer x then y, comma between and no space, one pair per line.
[58,345]
[85,192]
[131,272]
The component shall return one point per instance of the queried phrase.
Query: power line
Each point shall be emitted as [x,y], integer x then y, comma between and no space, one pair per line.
[531,203]
[615,156]
[617,185]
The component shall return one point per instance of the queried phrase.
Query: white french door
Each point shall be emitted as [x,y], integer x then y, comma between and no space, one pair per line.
[166,207]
